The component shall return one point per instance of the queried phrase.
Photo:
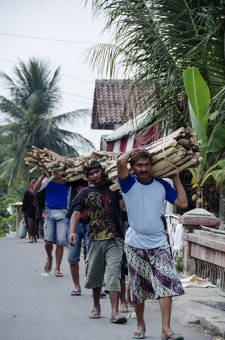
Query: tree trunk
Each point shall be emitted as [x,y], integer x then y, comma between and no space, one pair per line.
[222,209]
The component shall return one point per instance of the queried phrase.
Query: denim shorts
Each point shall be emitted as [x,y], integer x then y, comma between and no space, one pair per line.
[100,255]
[55,226]
[74,251]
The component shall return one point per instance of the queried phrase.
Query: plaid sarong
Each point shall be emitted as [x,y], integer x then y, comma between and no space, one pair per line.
[152,273]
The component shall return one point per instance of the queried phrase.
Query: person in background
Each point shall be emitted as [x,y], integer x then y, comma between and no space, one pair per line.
[151,268]
[32,210]
[123,301]
[81,234]
[55,219]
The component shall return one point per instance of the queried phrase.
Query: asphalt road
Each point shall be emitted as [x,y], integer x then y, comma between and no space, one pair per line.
[38,307]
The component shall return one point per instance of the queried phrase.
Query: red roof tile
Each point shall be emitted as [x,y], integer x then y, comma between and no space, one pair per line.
[114,100]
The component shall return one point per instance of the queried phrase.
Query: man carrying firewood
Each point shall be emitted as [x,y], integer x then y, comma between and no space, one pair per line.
[150,266]
[55,219]
[105,237]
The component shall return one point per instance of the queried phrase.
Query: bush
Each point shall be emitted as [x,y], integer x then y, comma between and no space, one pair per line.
[179,263]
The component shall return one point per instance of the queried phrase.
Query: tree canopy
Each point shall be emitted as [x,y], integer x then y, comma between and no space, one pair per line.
[31,117]
[155,41]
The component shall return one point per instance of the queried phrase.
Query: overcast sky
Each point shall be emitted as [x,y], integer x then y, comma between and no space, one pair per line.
[66,20]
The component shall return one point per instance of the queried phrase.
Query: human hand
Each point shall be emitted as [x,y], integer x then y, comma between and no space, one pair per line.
[174,176]
[72,239]
[23,215]
[44,174]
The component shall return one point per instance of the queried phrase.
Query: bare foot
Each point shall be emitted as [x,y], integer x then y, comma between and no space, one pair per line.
[140,333]
[123,308]
[48,265]
[130,303]
[57,273]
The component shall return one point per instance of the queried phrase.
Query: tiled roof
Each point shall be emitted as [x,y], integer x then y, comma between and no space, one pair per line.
[113,101]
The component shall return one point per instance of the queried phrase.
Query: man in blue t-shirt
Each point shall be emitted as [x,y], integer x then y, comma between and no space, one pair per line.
[55,219]
[150,267]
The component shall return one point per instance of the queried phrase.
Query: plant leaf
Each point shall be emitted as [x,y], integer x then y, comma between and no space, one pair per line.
[218,141]
[198,126]
[198,94]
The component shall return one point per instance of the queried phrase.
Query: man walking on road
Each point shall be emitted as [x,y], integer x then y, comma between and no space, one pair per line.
[81,233]
[105,237]
[55,219]
[150,266]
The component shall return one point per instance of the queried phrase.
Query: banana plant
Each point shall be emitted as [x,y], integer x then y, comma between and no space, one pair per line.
[199,102]
[219,175]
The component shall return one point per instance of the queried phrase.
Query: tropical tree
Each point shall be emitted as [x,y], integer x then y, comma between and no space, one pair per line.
[31,117]
[154,41]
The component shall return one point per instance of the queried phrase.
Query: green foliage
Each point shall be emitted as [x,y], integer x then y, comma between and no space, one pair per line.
[5,200]
[199,100]
[198,96]
[30,118]
[179,263]
[219,175]
[154,41]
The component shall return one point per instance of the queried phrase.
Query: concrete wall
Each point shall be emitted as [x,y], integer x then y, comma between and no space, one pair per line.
[208,246]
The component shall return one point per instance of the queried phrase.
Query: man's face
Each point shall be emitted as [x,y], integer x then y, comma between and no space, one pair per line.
[142,169]
[96,176]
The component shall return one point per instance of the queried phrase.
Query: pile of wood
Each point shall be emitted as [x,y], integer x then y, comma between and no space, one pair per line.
[174,153]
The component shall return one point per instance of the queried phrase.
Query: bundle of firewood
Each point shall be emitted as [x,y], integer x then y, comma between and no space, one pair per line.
[174,153]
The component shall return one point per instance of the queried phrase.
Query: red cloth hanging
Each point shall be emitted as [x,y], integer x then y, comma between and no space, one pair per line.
[145,138]
[123,144]
[110,146]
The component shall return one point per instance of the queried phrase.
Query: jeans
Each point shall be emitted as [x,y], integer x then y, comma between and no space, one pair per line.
[55,226]
[74,251]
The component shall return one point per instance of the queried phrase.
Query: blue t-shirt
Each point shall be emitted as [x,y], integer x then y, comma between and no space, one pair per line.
[56,195]
[145,205]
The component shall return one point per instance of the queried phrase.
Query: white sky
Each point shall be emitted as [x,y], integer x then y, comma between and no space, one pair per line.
[61,20]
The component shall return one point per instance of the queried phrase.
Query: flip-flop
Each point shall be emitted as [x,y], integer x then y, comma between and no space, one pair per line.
[58,274]
[48,267]
[95,313]
[121,319]
[102,294]
[138,337]
[77,292]
[177,338]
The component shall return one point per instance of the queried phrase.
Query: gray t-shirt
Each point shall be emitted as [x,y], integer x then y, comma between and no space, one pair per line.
[145,204]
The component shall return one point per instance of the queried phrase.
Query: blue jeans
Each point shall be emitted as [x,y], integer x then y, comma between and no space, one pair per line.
[74,251]
[55,226]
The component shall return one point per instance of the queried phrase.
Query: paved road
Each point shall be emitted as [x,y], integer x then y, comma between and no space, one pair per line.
[37,307]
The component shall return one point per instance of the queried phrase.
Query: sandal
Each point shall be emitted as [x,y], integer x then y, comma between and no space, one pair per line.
[47,268]
[102,294]
[138,337]
[58,274]
[95,313]
[76,292]
[177,338]
[117,318]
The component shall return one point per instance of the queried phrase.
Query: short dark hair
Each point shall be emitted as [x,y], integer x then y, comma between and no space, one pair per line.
[30,179]
[139,154]
[91,164]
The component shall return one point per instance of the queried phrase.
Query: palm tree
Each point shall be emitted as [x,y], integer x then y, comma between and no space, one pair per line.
[30,116]
[155,41]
